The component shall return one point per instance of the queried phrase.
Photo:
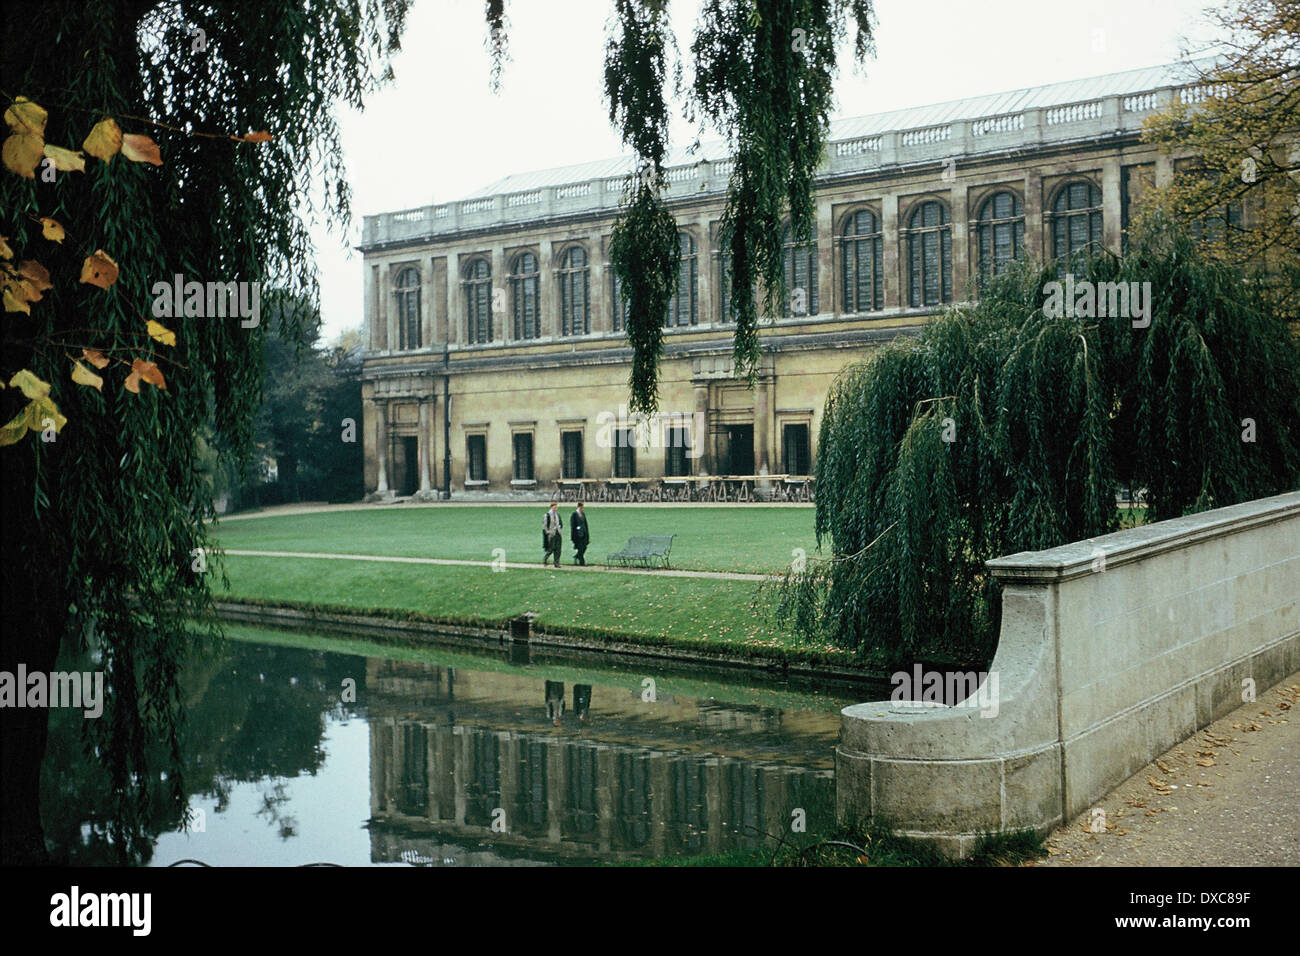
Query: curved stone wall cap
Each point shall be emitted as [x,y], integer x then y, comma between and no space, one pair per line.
[1079,558]
[891,709]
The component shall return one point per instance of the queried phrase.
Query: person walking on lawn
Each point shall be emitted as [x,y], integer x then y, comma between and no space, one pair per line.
[581,536]
[552,535]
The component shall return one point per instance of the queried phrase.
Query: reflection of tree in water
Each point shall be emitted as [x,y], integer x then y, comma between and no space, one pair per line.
[272,802]
[252,712]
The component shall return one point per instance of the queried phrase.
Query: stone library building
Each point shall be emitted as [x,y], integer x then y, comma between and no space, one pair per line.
[496,360]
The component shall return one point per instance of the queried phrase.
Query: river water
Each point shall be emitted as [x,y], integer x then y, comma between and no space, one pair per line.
[304,748]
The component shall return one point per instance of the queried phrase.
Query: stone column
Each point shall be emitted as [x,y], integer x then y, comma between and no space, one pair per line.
[503,330]
[762,406]
[386,306]
[1111,207]
[961,259]
[426,445]
[825,238]
[381,451]
[370,308]
[892,241]
[455,310]
[427,294]
[704,259]
[1034,239]
[700,429]
[548,306]
[598,290]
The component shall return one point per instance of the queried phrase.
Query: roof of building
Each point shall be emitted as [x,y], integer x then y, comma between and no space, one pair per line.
[854,127]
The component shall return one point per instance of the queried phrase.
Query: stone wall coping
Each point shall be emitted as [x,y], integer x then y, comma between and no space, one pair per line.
[1135,544]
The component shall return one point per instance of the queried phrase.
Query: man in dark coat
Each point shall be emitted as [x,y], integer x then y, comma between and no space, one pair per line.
[580,534]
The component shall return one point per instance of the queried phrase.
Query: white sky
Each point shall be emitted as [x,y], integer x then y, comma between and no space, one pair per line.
[438,133]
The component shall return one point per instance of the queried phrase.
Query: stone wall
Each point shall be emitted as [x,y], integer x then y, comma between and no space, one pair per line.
[1111,651]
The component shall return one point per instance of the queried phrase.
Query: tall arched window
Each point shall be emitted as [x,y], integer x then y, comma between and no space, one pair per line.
[575,303]
[525,295]
[683,309]
[929,255]
[799,262]
[1076,219]
[864,289]
[1000,231]
[619,303]
[407,290]
[477,288]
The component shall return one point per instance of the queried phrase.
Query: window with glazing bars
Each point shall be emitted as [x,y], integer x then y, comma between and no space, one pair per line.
[523,456]
[1076,219]
[625,453]
[1000,232]
[525,296]
[408,309]
[799,261]
[478,302]
[571,454]
[683,309]
[929,255]
[575,303]
[864,289]
[476,457]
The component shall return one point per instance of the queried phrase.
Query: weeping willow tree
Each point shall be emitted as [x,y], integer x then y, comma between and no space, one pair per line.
[104,518]
[763,73]
[1009,426]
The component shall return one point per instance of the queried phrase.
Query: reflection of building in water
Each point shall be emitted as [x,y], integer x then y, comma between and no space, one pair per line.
[442,769]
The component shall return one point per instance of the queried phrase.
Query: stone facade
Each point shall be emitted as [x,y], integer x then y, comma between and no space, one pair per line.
[434,399]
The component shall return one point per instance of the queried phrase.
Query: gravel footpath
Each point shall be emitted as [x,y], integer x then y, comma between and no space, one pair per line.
[1227,796]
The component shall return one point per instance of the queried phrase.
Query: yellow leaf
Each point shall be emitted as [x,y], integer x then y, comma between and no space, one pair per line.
[65,160]
[21,153]
[132,382]
[95,357]
[5,251]
[24,116]
[51,229]
[43,410]
[84,376]
[141,149]
[32,386]
[160,334]
[260,137]
[14,429]
[99,269]
[104,140]
[14,301]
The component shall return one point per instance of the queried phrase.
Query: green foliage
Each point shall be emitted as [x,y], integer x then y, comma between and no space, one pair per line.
[1001,428]
[763,77]
[114,511]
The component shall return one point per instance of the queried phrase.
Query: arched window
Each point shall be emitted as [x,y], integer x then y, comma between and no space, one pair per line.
[929,255]
[524,281]
[682,307]
[478,302]
[619,303]
[864,289]
[575,303]
[1000,231]
[1076,219]
[799,262]
[407,290]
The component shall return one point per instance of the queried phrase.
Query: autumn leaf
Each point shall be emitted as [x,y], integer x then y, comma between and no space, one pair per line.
[42,410]
[51,229]
[84,376]
[21,153]
[132,383]
[104,140]
[24,116]
[95,357]
[149,372]
[141,149]
[260,137]
[5,251]
[159,333]
[14,299]
[13,430]
[65,160]
[31,386]
[36,274]
[99,269]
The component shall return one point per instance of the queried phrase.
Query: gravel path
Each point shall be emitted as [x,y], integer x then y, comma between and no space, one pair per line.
[1227,796]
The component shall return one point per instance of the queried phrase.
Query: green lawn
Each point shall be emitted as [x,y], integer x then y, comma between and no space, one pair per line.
[755,539]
